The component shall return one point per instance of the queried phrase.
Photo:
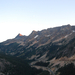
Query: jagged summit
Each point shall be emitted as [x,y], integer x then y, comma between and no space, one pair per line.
[20,34]
[34,31]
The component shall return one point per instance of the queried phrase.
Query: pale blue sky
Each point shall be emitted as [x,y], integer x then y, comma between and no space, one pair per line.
[23,16]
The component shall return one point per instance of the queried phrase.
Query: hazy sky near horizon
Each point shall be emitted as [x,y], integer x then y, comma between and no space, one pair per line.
[24,16]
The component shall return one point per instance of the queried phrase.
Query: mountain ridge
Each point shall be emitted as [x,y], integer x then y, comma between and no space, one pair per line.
[45,33]
[58,35]
[54,45]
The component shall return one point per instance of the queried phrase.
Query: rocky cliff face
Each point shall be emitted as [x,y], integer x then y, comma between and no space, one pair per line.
[56,45]
[46,36]
[39,42]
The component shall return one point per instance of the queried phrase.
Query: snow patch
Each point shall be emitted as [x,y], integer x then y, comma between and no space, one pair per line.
[73,31]
[36,36]
[48,35]
[68,35]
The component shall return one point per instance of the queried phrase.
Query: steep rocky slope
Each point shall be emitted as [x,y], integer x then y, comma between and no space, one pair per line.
[39,38]
[54,45]
[40,42]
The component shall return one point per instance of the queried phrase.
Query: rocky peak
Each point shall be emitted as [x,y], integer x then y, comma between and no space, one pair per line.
[34,31]
[20,34]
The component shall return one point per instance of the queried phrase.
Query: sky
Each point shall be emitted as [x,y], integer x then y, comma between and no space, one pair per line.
[24,16]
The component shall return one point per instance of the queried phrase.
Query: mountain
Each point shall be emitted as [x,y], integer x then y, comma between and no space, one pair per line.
[40,40]
[45,36]
[54,45]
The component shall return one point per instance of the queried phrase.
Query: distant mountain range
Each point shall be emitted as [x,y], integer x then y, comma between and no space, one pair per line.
[53,44]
